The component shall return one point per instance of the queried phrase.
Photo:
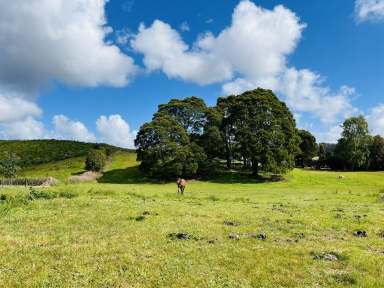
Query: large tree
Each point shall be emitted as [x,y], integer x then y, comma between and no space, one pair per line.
[165,151]
[308,148]
[353,149]
[261,129]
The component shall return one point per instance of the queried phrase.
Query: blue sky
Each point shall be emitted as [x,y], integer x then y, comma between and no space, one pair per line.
[80,80]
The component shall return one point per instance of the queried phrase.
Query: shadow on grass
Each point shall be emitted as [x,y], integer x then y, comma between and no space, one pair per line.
[233,177]
[132,175]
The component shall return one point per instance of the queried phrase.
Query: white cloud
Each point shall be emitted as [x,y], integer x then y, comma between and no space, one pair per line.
[331,135]
[53,40]
[375,120]
[14,108]
[163,49]
[58,40]
[255,45]
[305,91]
[369,10]
[255,48]
[28,128]
[65,128]
[115,130]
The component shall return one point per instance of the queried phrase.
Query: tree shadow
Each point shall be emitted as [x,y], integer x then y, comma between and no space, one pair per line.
[132,175]
[240,177]
[129,175]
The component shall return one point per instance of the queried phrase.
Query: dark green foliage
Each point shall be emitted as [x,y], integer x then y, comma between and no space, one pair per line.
[33,152]
[165,151]
[377,153]
[185,138]
[260,129]
[9,165]
[41,194]
[353,149]
[322,156]
[190,113]
[95,160]
[308,148]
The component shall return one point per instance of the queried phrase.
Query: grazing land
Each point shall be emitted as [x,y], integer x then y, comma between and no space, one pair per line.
[315,229]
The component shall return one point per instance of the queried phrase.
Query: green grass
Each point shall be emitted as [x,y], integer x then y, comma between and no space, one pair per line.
[117,235]
[60,170]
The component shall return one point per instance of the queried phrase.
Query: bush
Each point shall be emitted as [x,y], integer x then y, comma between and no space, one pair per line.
[95,160]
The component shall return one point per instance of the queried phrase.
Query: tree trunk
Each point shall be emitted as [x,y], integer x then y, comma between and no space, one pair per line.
[228,154]
[255,167]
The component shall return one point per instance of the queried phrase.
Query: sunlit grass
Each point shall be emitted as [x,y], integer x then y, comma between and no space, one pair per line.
[117,235]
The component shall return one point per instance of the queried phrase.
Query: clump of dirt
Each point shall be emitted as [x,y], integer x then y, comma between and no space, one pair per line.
[231,223]
[258,236]
[182,236]
[360,233]
[328,256]
[234,236]
[147,213]
[84,177]
[212,241]
[50,181]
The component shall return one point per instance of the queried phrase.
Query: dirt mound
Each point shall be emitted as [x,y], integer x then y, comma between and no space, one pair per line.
[84,177]
[50,181]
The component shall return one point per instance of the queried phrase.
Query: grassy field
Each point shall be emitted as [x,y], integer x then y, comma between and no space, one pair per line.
[226,233]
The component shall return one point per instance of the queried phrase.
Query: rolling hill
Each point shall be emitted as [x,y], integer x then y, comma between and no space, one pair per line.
[35,152]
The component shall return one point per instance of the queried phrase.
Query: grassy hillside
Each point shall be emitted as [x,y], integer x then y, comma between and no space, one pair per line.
[126,235]
[33,152]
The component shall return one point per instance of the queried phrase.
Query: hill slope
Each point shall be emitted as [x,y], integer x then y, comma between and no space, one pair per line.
[34,152]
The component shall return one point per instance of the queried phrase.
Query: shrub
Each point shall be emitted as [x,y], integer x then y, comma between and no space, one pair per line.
[95,160]
[41,194]
[9,165]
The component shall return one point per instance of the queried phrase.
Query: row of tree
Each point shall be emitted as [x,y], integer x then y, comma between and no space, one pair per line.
[255,131]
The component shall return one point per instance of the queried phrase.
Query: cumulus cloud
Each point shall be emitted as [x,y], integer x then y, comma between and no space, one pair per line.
[254,47]
[28,128]
[58,40]
[116,131]
[15,108]
[369,10]
[305,91]
[375,120]
[54,40]
[163,49]
[65,128]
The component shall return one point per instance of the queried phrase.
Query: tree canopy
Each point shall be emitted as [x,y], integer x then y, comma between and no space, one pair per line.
[308,148]
[187,138]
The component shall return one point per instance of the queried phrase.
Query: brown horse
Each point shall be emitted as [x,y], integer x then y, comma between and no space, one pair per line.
[181,183]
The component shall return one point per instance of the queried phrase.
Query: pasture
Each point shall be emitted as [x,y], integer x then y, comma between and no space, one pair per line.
[125,231]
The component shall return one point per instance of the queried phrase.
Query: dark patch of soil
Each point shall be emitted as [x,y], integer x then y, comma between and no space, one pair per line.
[231,223]
[360,233]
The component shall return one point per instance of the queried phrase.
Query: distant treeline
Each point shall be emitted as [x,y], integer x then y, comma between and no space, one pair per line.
[33,152]
[356,149]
